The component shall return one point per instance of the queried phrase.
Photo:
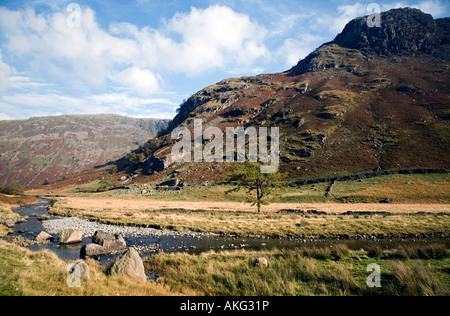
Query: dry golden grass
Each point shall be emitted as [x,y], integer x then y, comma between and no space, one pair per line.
[301,271]
[17,200]
[135,204]
[241,219]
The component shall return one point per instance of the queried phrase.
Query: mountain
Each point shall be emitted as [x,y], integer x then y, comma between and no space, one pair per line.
[46,149]
[373,99]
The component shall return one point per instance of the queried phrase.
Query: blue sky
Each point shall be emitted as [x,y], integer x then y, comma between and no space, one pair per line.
[143,57]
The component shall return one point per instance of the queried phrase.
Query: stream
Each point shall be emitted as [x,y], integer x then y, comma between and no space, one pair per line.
[154,241]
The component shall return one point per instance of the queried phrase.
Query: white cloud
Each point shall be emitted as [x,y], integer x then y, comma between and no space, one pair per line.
[197,41]
[189,43]
[345,14]
[42,104]
[294,49]
[434,7]
[24,83]
[86,52]
[5,72]
[216,36]
[143,81]
[5,117]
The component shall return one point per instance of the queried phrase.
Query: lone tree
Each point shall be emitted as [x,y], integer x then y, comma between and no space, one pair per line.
[248,176]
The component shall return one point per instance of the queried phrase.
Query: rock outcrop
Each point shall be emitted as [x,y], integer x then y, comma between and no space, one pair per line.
[402,32]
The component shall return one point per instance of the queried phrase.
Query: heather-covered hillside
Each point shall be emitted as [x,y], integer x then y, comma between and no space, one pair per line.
[41,150]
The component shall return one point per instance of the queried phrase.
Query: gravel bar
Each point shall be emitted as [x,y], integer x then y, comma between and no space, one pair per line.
[89,228]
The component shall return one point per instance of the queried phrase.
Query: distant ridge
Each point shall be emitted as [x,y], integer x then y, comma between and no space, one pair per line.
[45,149]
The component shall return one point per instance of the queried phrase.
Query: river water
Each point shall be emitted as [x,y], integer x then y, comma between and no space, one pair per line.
[176,242]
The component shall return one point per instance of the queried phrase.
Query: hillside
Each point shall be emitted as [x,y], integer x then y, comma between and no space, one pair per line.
[45,149]
[373,99]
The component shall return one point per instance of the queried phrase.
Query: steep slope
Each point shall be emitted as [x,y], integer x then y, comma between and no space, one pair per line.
[47,149]
[374,98]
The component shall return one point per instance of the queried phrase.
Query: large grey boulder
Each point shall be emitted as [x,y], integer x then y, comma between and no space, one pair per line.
[103,243]
[109,241]
[129,264]
[70,236]
[93,250]
[154,164]
[43,238]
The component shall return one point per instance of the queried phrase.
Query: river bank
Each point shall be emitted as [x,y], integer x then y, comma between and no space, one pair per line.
[149,241]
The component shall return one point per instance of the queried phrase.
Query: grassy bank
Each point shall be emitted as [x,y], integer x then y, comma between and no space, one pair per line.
[24,273]
[5,213]
[404,271]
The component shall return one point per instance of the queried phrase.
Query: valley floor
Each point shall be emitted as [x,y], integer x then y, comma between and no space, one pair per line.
[418,204]
[288,219]
[421,208]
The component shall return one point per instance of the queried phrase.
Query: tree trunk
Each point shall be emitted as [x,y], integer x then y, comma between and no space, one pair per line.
[259,195]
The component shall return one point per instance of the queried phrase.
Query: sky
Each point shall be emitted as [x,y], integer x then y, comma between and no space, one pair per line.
[142,58]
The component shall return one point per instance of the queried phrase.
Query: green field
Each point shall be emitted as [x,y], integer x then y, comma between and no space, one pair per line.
[427,188]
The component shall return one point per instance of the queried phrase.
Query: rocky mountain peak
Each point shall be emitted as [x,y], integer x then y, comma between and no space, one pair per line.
[402,32]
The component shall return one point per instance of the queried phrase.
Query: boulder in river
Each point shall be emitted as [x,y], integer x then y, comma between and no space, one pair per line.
[70,236]
[109,241]
[129,264]
[44,217]
[93,250]
[43,237]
